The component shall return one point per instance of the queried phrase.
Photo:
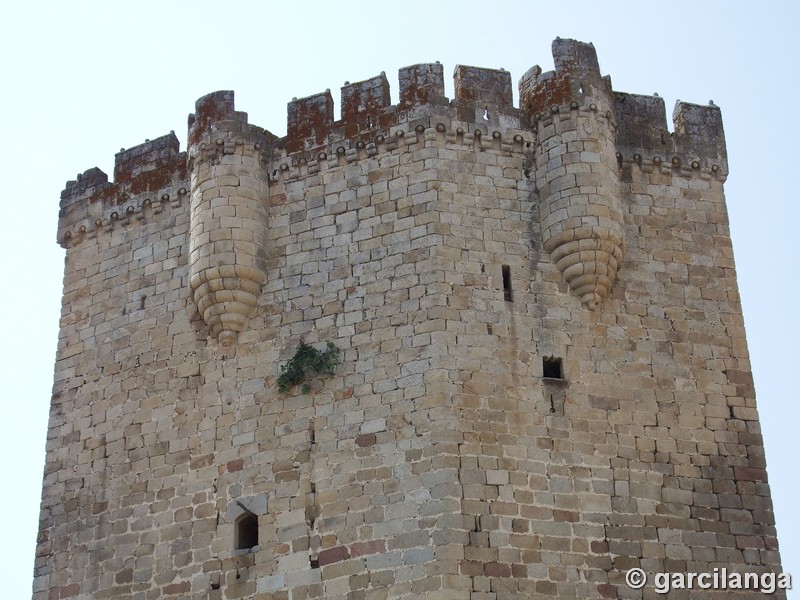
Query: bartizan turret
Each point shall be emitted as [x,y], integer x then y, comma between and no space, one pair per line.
[570,111]
[228,234]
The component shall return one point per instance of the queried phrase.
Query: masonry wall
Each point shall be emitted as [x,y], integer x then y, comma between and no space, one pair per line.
[438,461]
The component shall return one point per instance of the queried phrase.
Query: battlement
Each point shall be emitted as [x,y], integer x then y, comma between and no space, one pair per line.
[576,76]
[366,107]
[85,185]
[143,168]
[640,121]
[483,105]
[698,138]
[153,168]
[211,111]
[130,164]
[483,86]
[698,131]
[422,84]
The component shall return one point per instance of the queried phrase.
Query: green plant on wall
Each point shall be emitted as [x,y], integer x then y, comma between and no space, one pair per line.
[305,364]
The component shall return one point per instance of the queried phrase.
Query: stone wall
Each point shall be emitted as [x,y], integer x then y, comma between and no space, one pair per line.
[492,432]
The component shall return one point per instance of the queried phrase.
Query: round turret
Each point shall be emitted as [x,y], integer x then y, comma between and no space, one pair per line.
[228,232]
[570,109]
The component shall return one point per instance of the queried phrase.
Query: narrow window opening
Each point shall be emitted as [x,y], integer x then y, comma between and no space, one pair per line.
[507,293]
[141,301]
[314,562]
[551,368]
[486,113]
[247,532]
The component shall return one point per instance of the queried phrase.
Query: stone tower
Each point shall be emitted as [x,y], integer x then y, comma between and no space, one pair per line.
[543,379]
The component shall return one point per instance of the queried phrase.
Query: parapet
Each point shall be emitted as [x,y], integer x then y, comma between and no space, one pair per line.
[698,141]
[215,121]
[364,105]
[698,131]
[642,121]
[576,75]
[217,106]
[422,84]
[483,105]
[309,121]
[150,166]
[698,137]
[483,86]
[365,108]
[147,169]
[85,185]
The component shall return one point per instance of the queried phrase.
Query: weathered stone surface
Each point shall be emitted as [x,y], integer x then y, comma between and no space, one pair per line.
[450,250]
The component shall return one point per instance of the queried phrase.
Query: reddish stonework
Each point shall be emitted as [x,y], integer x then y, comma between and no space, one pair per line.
[332,555]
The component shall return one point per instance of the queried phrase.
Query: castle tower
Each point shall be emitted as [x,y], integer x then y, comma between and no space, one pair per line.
[533,371]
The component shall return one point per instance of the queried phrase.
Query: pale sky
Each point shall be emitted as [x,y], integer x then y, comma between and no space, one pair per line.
[83,79]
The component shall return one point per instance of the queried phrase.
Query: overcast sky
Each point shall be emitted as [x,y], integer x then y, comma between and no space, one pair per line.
[80,80]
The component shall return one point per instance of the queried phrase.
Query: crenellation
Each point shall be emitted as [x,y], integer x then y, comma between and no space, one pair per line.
[483,86]
[366,105]
[309,122]
[697,147]
[575,81]
[642,123]
[579,60]
[217,106]
[421,85]
[131,163]
[699,134]
[83,186]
